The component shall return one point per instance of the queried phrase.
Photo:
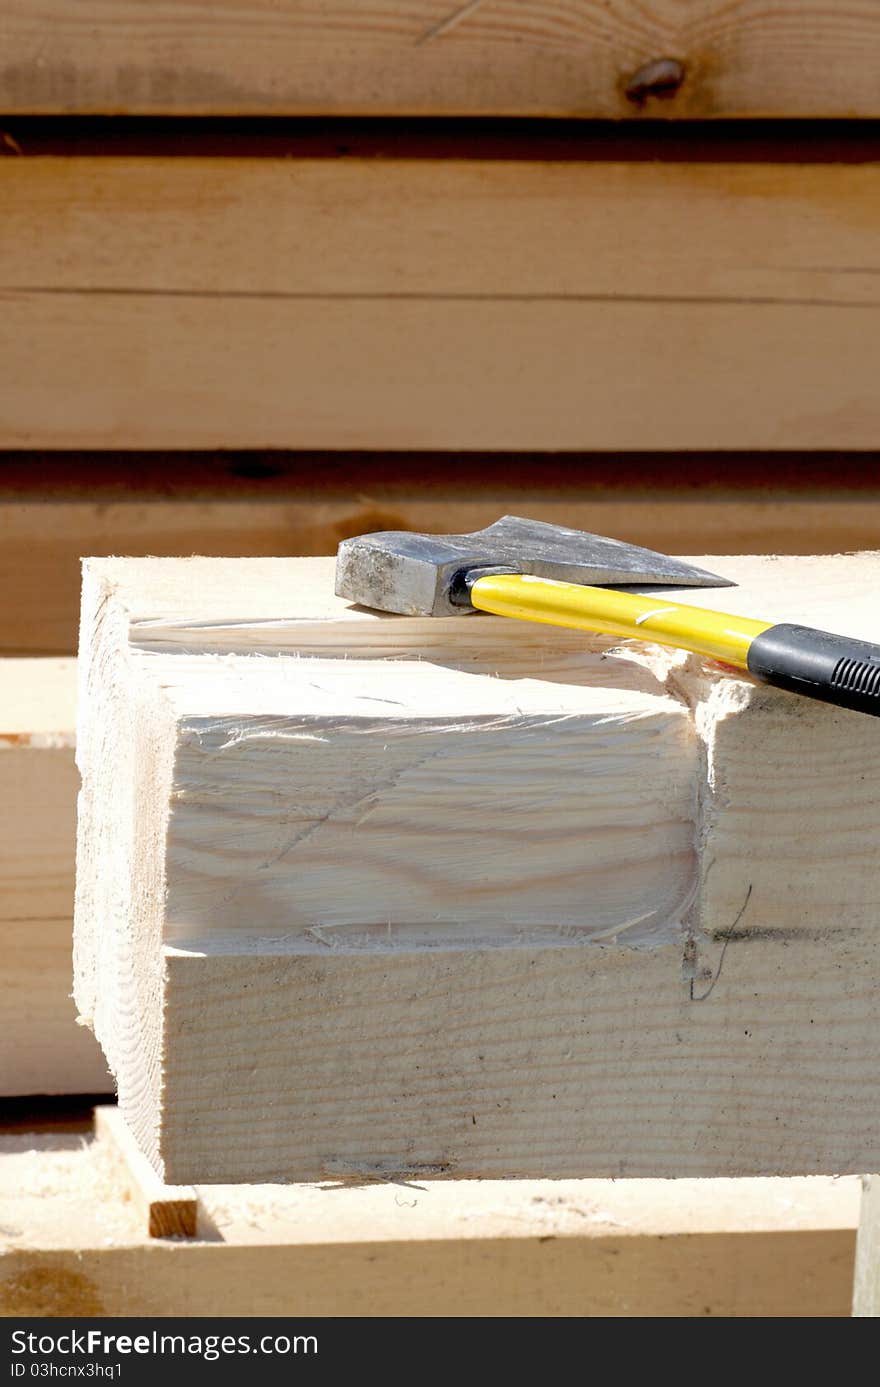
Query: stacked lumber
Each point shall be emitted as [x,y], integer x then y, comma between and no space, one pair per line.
[73,1246]
[42,1050]
[749,57]
[494,304]
[384,898]
[465,898]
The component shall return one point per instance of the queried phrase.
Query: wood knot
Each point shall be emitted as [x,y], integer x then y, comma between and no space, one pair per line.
[660,77]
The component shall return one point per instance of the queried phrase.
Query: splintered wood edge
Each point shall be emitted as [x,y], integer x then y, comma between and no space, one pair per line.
[170,1211]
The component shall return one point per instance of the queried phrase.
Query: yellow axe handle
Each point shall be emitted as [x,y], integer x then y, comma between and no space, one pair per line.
[615,613]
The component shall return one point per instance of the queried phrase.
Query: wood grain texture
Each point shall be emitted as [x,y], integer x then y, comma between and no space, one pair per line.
[465,305]
[518,1062]
[55,509]
[431,811]
[42,1050]
[575,1247]
[542,57]
[731,1034]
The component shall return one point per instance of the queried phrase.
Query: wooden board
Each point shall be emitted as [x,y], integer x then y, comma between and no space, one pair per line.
[495,305]
[437,1248]
[42,1050]
[786,57]
[866,1297]
[53,509]
[708,1009]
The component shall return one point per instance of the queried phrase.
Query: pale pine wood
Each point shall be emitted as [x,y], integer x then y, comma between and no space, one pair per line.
[541,57]
[167,1211]
[482,305]
[54,512]
[42,1050]
[517,1062]
[496,1035]
[434,809]
[536,1247]
[866,1297]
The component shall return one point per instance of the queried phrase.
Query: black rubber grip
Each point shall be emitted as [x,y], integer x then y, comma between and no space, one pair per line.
[835,669]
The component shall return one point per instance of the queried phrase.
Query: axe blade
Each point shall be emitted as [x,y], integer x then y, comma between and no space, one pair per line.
[414,574]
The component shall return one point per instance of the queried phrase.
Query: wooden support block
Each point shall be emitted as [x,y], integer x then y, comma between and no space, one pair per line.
[429,57]
[469,897]
[42,1050]
[168,1211]
[726,1248]
[466,304]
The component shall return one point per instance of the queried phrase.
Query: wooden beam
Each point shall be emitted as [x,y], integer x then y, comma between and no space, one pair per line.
[331,861]
[42,1050]
[812,58]
[59,507]
[474,304]
[574,1247]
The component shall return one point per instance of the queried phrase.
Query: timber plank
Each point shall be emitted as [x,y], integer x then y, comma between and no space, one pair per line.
[518,1063]
[42,1050]
[541,57]
[866,1297]
[576,1247]
[465,305]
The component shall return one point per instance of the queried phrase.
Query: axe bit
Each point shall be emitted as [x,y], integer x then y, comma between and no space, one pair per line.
[547,573]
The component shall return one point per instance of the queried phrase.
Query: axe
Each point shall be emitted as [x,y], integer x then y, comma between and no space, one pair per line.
[547,573]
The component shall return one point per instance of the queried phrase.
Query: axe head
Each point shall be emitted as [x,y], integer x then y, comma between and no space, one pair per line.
[424,575]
